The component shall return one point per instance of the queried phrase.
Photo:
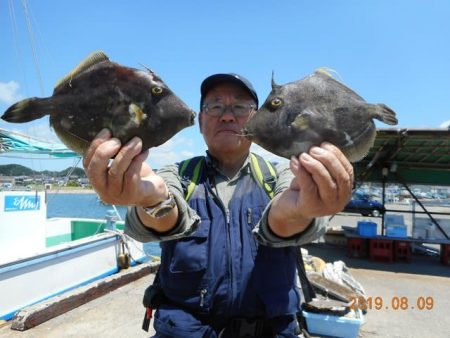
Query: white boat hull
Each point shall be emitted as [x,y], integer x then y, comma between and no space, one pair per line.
[38,264]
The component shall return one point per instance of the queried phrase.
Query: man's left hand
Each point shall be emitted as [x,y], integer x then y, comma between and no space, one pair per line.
[322,186]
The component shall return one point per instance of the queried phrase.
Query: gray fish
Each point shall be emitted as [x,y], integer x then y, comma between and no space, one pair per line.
[101,94]
[318,108]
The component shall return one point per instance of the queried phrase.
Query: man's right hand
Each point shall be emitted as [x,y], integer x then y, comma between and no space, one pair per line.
[127,180]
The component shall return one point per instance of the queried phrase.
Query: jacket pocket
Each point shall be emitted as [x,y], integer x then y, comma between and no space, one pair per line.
[184,273]
[190,254]
[176,323]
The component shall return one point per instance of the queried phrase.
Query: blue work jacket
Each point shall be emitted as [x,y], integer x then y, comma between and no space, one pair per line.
[220,271]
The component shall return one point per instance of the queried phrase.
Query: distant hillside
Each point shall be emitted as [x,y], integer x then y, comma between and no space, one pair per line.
[20,170]
[15,170]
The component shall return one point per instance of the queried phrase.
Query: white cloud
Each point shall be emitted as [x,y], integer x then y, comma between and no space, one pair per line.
[445,124]
[174,150]
[9,92]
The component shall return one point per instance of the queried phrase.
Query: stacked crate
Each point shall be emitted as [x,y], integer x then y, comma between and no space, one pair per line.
[445,254]
[402,251]
[381,250]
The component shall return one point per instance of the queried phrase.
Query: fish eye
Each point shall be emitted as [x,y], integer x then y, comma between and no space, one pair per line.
[275,103]
[157,90]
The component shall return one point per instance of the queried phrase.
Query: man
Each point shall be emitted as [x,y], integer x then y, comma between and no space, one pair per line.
[219,281]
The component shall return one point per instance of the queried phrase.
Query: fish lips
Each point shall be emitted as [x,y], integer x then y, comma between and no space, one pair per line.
[247,134]
[192,117]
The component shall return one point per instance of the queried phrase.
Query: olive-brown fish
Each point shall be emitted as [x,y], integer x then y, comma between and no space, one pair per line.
[318,108]
[101,94]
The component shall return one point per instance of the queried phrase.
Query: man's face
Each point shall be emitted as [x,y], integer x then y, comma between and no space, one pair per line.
[221,133]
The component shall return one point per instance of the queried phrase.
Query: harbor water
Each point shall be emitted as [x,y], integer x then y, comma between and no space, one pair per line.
[87,205]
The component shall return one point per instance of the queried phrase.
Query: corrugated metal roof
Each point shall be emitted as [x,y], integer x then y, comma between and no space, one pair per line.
[415,156]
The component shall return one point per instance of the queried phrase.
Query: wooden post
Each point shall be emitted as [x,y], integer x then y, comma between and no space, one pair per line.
[37,314]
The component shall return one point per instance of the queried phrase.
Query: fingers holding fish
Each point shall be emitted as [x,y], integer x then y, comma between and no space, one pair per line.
[342,172]
[140,185]
[332,174]
[322,182]
[101,137]
[119,173]
[294,164]
[135,173]
[96,162]
[337,172]
[313,179]
[119,166]
[342,159]
[131,180]
[303,181]
[326,185]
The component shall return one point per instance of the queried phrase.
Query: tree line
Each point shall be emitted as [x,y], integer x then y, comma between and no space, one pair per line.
[20,170]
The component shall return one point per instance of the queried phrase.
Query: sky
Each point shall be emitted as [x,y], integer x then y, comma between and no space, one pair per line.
[392,52]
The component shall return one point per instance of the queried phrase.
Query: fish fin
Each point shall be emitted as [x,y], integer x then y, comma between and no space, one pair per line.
[329,72]
[355,154]
[91,60]
[72,141]
[356,151]
[336,137]
[24,111]
[327,75]
[384,113]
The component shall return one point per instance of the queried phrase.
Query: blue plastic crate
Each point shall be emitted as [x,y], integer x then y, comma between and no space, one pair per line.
[367,228]
[396,231]
[333,326]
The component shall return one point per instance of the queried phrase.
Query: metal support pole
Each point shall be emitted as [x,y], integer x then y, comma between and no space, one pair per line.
[384,173]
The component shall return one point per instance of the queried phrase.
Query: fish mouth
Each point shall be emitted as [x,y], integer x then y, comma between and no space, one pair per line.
[192,117]
[246,133]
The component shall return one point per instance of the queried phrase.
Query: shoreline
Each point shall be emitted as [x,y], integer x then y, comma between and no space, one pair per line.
[70,191]
[58,191]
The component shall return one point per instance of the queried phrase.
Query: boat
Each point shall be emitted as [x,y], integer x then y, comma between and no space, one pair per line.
[43,257]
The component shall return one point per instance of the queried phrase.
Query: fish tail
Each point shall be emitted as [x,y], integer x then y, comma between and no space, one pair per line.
[385,114]
[25,111]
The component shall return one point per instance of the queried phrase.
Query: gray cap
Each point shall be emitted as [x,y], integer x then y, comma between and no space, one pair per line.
[216,79]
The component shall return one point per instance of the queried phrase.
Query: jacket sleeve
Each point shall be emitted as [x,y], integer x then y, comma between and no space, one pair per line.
[187,222]
[267,237]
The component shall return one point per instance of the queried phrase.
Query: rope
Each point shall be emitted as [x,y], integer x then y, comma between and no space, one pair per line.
[15,35]
[33,44]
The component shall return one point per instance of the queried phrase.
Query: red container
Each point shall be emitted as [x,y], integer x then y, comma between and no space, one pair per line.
[381,250]
[402,251]
[356,247]
[445,254]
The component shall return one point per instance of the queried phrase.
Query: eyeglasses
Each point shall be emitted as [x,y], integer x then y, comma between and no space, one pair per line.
[218,109]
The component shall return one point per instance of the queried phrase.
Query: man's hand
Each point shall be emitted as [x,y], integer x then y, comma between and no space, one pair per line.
[322,186]
[127,180]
